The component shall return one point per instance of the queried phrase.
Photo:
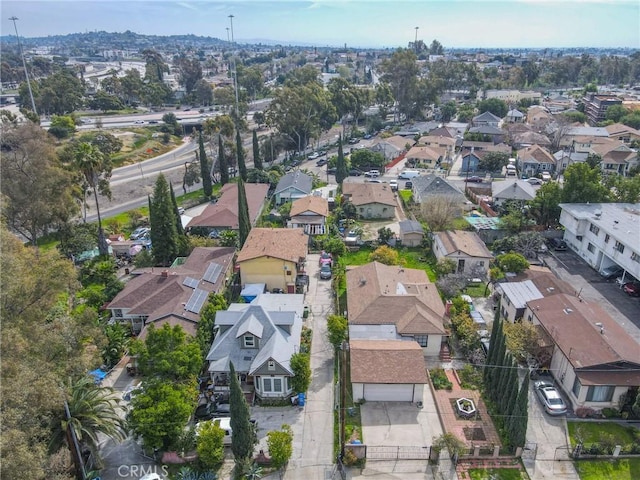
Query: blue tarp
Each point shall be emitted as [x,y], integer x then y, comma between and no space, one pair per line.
[98,375]
[251,291]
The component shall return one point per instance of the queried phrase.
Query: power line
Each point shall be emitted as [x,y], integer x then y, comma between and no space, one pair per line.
[24,64]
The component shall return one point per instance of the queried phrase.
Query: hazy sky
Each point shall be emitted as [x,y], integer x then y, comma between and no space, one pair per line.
[358,23]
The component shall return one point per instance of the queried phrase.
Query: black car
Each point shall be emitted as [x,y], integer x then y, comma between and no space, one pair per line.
[207,411]
[332,170]
[354,172]
[557,244]
[321,162]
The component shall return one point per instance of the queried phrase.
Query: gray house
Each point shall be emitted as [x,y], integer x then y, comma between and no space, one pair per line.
[486,118]
[429,186]
[292,186]
[411,233]
[259,339]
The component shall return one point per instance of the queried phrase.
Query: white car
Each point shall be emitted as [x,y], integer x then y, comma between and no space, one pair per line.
[372,173]
[139,122]
[550,398]
[394,185]
[313,156]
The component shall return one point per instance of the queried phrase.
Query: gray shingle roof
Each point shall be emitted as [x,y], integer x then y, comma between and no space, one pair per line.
[486,117]
[432,185]
[410,226]
[298,180]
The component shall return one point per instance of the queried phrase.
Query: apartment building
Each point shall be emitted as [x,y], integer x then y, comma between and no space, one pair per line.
[595,107]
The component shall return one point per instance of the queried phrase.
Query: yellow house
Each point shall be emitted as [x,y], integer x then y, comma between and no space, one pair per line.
[275,257]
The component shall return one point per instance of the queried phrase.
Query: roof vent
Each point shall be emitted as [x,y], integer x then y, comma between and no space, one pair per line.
[363,281]
[598,213]
[567,311]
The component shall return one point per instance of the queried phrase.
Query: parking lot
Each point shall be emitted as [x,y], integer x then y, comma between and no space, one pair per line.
[592,287]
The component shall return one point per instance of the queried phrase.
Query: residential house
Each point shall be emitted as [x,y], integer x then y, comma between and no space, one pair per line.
[525,139]
[444,131]
[390,302]
[223,215]
[173,295]
[427,157]
[513,96]
[472,152]
[275,257]
[393,146]
[426,187]
[466,249]
[617,158]
[515,116]
[496,134]
[565,158]
[411,233]
[623,133]
[292,186]
[387,371]
[514,297]
[486,119]
[444,142]
[512,189]
[372,200]
[309,213]
[595,361]
[259,338]
[604,234]
[595,106]
[539,117]
[534,160]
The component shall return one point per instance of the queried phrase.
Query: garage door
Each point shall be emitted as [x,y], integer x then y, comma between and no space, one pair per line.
[374,392]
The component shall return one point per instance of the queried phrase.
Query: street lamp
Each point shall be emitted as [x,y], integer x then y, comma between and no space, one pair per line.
[24,64]
[235,71]
[415,43]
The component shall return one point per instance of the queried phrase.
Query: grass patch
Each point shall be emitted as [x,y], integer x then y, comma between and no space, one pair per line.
[476,291]
[410,258]
[497,474]
[591,432]
[406,196]
[460,223]
[623,469]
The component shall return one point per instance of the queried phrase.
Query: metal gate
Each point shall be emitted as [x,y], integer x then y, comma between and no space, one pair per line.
[397,453]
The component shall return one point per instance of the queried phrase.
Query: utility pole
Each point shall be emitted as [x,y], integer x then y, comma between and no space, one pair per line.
[343,393]
[235,71]
[415,43]
[24,64]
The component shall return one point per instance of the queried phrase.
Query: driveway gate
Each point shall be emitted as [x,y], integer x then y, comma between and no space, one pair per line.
[397,453]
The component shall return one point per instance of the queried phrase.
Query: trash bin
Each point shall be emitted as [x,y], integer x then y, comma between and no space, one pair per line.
[305,313]
[126,271]
[301,399]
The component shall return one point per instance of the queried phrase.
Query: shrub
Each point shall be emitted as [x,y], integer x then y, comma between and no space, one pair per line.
[470,377]
[610,412]
[585,412]
[440,380]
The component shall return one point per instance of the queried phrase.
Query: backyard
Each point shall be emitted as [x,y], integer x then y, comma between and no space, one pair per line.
[623,469]
[595,432]
[410,258]
[497,474]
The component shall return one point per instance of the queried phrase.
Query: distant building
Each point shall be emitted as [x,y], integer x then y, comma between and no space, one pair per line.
[595,107]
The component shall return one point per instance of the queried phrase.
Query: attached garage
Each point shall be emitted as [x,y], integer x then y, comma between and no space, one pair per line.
[387,370]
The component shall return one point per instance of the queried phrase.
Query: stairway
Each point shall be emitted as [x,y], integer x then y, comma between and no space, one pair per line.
[445,354]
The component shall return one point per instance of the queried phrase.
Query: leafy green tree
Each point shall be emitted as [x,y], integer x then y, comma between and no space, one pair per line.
[155,66]
[445,266]
[512,262]
[160,411]
[341,165]
[222,163]
[242,167]
[364,160]
[280,445]
[257,160]
[93,410]
[337,329]
[400,71]
[616,112]
[164,236]
[453,444]
[189,72]
[191,175]
[624,189]
[448,111]
[168,354]
[385,255]
[583,184]
[229,238]
[575,117]
[174,203]
[545,207]
[60,93]
[244,221]
[118,340]
[210,446]
[494,105]
[205,169]
[95,168]
[62,126]
[204,334]
[465,113]
[244,436]
[493,161]
[301,367]
[105,102]
[203,93]
[632,120]
[593,160]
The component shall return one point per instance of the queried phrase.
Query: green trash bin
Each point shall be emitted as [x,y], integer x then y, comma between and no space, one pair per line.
[305,313]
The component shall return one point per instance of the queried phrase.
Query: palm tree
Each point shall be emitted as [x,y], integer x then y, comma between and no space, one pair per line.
[96,168]
[92,410]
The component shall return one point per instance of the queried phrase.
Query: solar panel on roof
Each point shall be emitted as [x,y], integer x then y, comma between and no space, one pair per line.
[196,301]
[212,273]
[190,282]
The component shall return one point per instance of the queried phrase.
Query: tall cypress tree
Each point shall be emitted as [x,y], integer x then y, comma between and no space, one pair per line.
[492,342]
[222,162]
[174,202]
[242,166]
[341,164]
[243,438]
[164,236]
[257,160]
[494,378]
[205,169]
[244,221]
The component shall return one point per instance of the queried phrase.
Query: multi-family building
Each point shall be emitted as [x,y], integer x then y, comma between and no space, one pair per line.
[595,106]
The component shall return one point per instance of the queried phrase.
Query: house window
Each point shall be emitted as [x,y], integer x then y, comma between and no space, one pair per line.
[277,385]
[635,257]
[267,386]
[600,393]
[384,209]
[480,264]
[530,318]
[593,229]
[619,247]
[606,238]
[117,313]
[271,385]
[361,209]
[249,341]
[576,388]
[271,365]
[422,340]
[591,248]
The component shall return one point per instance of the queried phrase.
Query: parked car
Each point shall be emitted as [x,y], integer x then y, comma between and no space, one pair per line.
[325,259]
[139,233]
[180,210]
[351,238]
[612,271]
[632,289]
[332,170]
[550,398]
[207,411]
[321,162]
[354,172]
[557,244]
[325,272]
[313,156]
[394,185]
[408,185]
[374,180]
[139,122]
[353,141]
[475,179]
[368,136]
[534,181]
[372,173]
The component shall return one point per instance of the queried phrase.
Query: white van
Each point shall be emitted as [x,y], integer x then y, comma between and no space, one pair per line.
[408,174]
[224,423]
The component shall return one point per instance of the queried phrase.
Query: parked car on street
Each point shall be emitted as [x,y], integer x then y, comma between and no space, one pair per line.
[332,170]
[549,397]
[325,259]
[612,271]
[632,289]
[321,162]
[313,156]
[475,179]
[394,185]
[139,233]
[207,411]
[372,173]
[557,244]
[325,272]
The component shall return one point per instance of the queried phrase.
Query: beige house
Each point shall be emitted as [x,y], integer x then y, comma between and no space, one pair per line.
[622,132]
[429,157]
[394,303]
[309,213]
[594,359]
[273,256]
[372,200]
[466,249]
[411,233]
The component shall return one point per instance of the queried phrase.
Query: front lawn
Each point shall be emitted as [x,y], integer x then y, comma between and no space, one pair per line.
[497,474]
[592,432]
[410,258]
[623,469]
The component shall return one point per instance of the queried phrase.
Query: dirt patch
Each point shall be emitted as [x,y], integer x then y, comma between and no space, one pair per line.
[474,434]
